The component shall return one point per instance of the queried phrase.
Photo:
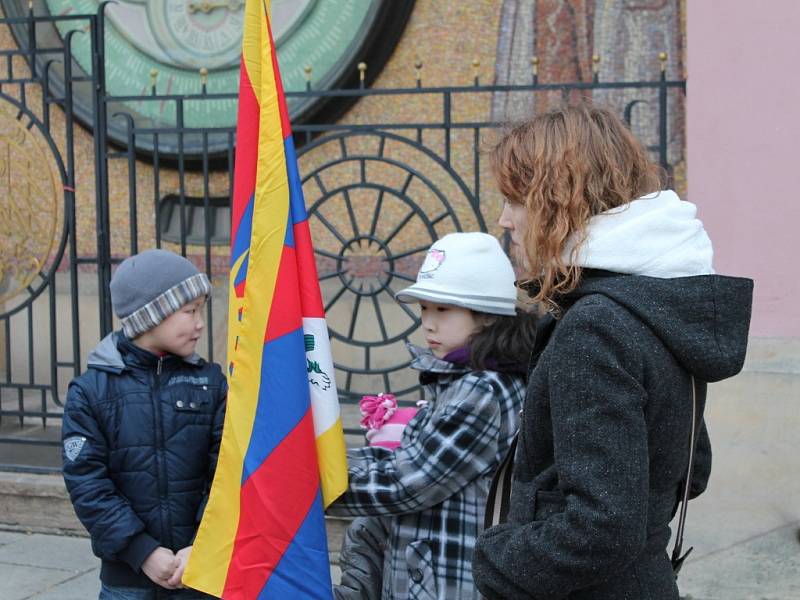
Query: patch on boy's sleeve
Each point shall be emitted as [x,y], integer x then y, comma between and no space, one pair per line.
[73,447]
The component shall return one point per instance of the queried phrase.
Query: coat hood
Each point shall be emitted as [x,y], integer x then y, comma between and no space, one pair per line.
[704,320]
[658,235]
[106,356]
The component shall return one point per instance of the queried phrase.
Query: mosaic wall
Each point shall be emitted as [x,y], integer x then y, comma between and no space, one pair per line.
[447,36]
[619,40]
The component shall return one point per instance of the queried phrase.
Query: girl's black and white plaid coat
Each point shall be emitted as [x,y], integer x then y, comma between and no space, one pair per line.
[435,485]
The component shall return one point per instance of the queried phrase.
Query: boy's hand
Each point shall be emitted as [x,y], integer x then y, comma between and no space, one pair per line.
[183,558]
[160,566]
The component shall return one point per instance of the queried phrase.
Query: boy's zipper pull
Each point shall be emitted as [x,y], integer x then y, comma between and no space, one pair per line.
[158,368]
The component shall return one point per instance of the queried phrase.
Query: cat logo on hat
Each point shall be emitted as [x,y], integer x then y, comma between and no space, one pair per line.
[433,261]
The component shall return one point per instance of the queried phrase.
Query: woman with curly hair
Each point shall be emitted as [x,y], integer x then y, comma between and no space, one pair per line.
[639,324]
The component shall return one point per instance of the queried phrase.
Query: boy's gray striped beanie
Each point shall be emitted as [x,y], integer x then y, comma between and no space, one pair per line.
[150,286]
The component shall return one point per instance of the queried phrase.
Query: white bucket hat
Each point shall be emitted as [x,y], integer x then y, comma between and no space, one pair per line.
[469,270]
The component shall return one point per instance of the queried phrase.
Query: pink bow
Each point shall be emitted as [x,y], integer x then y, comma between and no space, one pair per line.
[376,410]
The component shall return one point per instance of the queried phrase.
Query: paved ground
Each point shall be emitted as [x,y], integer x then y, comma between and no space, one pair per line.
[49,567]
[744,529]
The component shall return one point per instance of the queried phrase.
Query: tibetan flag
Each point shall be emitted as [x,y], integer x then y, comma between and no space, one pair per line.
[282,457]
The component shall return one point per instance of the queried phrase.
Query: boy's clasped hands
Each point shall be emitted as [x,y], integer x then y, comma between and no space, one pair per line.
[165,568]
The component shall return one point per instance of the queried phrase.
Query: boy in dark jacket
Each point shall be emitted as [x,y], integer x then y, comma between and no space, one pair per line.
[142,428]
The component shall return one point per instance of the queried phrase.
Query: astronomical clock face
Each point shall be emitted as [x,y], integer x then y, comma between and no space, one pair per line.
[178,38]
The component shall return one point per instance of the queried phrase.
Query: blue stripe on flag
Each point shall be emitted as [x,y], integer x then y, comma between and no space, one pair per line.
[296,203]
[289,239]
[243,232]
[304,569]
[241,274]
[283,397]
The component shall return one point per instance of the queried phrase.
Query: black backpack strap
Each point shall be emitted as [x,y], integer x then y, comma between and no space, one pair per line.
[677,559]
[500,491]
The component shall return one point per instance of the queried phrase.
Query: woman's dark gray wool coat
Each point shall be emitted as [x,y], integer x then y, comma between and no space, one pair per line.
[604,439]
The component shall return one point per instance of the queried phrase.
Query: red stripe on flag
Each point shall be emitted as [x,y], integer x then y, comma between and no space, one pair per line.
[284,314]
[244,175]
[274,502]
[286,127]
[310,297]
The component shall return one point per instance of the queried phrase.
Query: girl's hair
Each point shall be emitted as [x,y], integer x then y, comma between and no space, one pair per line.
[504,343]
[565,166]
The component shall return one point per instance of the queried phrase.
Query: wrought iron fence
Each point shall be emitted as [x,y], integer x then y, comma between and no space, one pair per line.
[402,168]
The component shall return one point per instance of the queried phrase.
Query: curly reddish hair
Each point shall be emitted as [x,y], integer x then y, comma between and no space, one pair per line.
[565,166]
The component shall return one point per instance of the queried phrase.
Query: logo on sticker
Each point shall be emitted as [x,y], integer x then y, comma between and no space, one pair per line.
[318,377]
[433,260]
[73,447]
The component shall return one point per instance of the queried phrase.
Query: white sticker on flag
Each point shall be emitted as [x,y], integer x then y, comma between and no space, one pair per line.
[321,381]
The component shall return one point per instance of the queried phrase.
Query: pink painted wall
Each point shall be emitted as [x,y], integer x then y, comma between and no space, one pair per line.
[743,138]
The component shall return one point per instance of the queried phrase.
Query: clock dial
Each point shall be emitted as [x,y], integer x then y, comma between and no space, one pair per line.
[198,33]
[179,37]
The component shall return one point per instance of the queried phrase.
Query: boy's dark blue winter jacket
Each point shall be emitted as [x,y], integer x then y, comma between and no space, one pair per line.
[140,437]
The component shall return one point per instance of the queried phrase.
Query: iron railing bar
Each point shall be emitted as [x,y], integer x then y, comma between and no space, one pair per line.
[379,316]
[446,118]
[472,89]
[409,252]
[13,385]
[32,413]
[102,222]
[7,341]
[157,188]
[348,380]
[403,305]
[69,209]
[351,213]
[386,383]
[209,225]
[336,297]
[181,178]
[327,254]
[374,370]
[399,227]
[354,316]
[29,441]
[45,19]
[376,213]
[440,218]
[53,348]
[320,184]
[15,468]
[44,408]
[330,227]
[30,344]
[402,276]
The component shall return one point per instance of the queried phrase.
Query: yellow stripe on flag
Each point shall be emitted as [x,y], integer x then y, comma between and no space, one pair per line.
[207,570]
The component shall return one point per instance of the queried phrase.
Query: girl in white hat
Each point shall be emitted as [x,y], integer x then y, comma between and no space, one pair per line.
[432,489]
